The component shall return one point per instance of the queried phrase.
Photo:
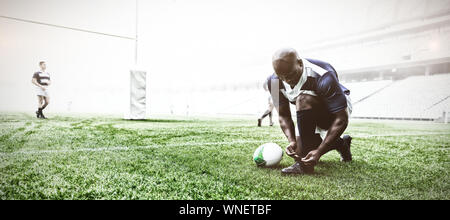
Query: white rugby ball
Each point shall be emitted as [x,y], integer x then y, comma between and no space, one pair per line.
[267,155]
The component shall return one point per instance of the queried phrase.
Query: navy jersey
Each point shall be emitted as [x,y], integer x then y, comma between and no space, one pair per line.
[319,79]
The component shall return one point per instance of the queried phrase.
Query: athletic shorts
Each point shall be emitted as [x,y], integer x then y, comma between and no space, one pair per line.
[325,119]
[42,92]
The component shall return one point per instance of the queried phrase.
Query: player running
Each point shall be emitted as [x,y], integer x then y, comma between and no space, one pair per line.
[322,106]
[269,108]
[41,80]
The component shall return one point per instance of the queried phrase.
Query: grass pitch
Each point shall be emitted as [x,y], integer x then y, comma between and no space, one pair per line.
[100,157]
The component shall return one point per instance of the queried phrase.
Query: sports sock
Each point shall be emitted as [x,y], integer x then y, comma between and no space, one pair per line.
[306,123]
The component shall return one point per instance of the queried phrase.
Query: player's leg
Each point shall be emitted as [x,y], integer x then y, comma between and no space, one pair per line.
[308,139]
[344,149]
[40,103]
[46,102]
[262,117]
[342,145]
[266,113]
[270,114]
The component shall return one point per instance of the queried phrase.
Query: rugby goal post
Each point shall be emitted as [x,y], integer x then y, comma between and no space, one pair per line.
[138,93]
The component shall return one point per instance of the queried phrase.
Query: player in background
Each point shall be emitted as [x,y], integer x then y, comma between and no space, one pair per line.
[270,107]
[41,81]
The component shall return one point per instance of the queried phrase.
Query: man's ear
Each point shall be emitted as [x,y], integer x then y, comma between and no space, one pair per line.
[300,62]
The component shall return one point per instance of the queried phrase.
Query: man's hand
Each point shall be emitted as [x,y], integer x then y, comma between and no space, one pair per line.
[311,158]
[43,88]
[290,150]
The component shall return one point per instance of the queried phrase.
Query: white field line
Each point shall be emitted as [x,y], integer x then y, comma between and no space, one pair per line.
[124,148]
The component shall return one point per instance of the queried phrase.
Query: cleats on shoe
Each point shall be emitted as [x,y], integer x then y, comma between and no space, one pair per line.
[346,154]
[38,114]
[259,122]
[297,169]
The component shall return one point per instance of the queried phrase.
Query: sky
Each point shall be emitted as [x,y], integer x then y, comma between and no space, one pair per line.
[181,43]
[231,38]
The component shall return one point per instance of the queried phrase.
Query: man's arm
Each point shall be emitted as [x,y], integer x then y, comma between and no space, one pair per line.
[338,127]
[49,81]
[284,115]
[329,88]
[34,81]
[288,128]
[286,123]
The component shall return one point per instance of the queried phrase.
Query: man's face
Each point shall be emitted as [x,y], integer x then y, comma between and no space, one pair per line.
[43,66]
[288,70]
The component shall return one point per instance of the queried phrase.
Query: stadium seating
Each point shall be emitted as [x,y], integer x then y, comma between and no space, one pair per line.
[416,97]
[361,90]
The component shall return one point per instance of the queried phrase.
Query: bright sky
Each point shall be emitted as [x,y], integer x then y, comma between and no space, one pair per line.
[234,40]
[181,43]
[204,40]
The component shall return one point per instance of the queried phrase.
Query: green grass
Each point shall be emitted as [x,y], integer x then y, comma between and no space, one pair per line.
[102,157]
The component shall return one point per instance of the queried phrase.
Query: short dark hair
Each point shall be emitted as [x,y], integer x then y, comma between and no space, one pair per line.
[40,63]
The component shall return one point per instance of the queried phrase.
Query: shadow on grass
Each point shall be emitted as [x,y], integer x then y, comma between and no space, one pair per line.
[276,167]
[329,168]
[336,168]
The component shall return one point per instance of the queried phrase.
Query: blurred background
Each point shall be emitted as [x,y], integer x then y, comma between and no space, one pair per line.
[206,57]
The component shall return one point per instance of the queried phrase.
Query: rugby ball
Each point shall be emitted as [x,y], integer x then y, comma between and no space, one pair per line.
[267,155]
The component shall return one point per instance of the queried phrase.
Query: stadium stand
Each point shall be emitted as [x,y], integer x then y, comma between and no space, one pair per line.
[416,98]
[412,98]
[363,90]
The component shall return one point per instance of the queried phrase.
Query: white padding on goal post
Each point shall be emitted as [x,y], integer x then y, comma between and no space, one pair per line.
[137,94]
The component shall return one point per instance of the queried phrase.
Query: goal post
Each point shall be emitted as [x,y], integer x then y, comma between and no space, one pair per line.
[138,93]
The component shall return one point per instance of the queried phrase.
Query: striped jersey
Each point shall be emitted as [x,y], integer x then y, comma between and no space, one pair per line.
[42,78]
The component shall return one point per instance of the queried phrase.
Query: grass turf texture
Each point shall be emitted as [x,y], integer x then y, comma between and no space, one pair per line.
[109,158]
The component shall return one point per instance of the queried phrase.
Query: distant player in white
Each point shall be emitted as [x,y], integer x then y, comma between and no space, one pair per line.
[270,107]
[41,80]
